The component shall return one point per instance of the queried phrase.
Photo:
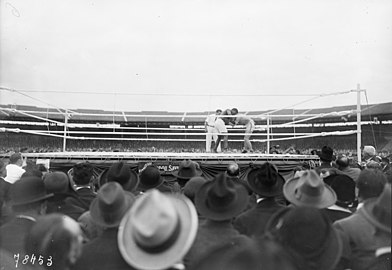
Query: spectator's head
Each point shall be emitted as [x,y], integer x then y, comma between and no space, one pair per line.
[82,173]
[378,210]
[326,154]
[57,182]
[233,170]
[307,188]
[221,199]
[32,172]
[218,112]
[150,177]
[370,183]
[307,234]
[28,195]
[110,205]
[342,162]
[344,187]
[56,236]
[16,158]
[265,180]
[187,169]
[121,173]
[234,111]
[368,151]
[192,186]
[158,230]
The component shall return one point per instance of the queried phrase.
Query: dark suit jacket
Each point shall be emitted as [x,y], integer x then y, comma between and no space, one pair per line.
[210,235]
[253,221]
[59,204]
[102,253]
[13,233]
[85,197]
[336,214]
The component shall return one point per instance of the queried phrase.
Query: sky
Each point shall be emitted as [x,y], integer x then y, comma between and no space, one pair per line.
[194,55]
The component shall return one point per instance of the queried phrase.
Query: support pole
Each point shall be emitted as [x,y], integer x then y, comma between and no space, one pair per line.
[359,152]
[65,131]
[268,134]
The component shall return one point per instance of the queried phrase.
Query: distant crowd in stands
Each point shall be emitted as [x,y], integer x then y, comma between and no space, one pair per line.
[336,215]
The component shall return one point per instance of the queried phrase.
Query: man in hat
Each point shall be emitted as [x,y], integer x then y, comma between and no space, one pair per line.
[158,231]
[326,157]
[187,169]
[209,125]
[366,230]
[121,173]
[308,236]
[55,241]
[249,124]
[28,200]
[344,187]
[267,183]
[307,188]
[107,210]
[150,178]
[58,183]
[370,184]
[218,201]
[15,168]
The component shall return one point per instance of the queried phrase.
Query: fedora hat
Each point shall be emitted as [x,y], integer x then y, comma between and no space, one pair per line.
[307,188]
[307,232]
[326,153]
[378,210]
[265,180]
[28,190]
[221,199]
[150,178]
[110,205]
[121,173]
[158,230]
[344,187]
[187,169]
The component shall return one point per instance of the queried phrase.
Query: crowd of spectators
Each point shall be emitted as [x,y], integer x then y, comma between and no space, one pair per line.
[334,216]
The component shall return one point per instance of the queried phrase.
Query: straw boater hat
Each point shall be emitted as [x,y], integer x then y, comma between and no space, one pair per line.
[28,190]
[221,199]
[158,230]
[265,180]
[110,205]
[307,188]
[378,210]
[187,169]
[307,232]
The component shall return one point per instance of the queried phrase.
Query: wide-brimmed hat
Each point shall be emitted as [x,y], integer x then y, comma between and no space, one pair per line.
[121,173]
[265,180]
[187,169]
[192,186]
[307,188]
[221,199]
[150,178]
[326,153]
[378,210]
[28,190]
[307,233]
[344,187]
[158,230]
[110,205]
